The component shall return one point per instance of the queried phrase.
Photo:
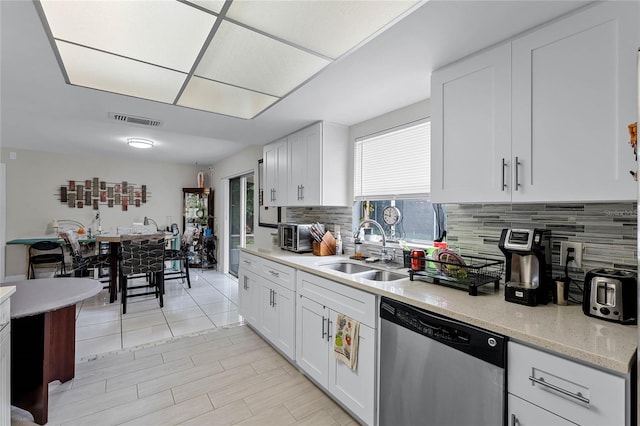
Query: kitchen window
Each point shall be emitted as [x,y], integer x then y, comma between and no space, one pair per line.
[392,168]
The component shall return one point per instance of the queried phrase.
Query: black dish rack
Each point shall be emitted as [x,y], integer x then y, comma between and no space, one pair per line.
[476,271]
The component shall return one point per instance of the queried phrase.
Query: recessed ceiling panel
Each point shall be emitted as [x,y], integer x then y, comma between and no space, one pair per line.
[328,27]
[99,70]
[212,5]
[248,59]
[223,99]
[165,33]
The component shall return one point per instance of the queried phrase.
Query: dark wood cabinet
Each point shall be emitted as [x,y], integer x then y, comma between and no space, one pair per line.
[198,213]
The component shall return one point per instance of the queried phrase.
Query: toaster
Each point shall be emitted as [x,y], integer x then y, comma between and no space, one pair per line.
[611,294]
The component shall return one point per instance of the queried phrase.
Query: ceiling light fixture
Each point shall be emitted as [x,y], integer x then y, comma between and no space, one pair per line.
[139,143]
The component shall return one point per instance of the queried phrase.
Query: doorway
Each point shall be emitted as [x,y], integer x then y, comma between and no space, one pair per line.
[241,217]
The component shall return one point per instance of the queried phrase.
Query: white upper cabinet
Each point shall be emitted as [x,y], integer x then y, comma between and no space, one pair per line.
[574,93]
[315,171]
[542,118]
[275,156]
[471,129]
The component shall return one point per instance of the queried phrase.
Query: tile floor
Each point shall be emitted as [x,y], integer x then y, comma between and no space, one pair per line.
[211,302]
[192,362]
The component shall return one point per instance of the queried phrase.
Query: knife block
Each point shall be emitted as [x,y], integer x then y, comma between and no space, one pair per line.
[326,247]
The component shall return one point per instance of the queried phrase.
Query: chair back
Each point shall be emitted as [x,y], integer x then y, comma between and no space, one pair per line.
[45,247]
[142,254]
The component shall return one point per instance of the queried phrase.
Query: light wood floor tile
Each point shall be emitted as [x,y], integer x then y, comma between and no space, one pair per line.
[211,383]
[274,416]
[173,380]
[317,418]
[145,374]
[278,394]
[59,414]
[176,414]
[241,390]
[128,411]
[228,415]
[115,369]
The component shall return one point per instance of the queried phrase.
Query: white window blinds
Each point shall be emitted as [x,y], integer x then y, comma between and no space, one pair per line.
[394,164]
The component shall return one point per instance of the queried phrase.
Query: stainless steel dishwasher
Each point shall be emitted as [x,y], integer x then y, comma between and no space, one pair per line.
[438,371]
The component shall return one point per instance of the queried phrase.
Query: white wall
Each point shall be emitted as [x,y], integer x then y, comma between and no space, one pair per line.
[33,183]
[241,163]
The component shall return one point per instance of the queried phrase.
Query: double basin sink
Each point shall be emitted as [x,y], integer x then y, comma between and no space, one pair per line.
[357,270]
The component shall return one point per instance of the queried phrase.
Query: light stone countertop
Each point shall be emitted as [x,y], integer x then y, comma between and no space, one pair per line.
[561,329]
[5,292]
[33,297]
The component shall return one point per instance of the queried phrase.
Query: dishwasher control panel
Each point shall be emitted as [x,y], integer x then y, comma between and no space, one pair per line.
[480,343]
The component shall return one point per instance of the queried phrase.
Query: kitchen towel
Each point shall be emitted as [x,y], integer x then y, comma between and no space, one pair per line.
[345,347]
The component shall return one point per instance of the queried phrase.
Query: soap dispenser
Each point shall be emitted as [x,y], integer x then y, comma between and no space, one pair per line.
[338,241]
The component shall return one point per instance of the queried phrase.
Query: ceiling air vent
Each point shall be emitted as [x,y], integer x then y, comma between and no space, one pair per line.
[134,120]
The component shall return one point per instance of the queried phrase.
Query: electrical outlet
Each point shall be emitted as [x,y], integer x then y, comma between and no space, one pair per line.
[577,254]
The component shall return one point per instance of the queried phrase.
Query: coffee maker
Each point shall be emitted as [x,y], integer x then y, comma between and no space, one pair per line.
[528,265]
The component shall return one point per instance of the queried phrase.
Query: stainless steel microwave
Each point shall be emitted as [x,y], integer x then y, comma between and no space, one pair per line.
[295,237]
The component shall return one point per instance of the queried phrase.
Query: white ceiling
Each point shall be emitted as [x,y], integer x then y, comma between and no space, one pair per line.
[41,112]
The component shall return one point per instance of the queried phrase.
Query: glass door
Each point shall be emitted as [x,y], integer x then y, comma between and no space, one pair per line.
[241,218]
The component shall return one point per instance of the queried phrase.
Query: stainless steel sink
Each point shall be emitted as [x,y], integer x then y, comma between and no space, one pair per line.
[348,268]
[381,275]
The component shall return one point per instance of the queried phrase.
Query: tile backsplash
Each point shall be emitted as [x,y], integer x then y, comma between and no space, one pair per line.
[608,231]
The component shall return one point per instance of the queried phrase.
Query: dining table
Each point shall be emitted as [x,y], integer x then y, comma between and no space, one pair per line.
[43,337]
[114,241]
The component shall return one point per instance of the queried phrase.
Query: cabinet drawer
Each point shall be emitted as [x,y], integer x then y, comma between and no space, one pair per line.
[354,303]
[249,262]
[279,274]
[5,313]
[577,392]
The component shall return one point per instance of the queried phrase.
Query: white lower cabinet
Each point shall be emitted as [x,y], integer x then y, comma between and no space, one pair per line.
[548,389]
[266,300]
[277,317]
[523,413]
[248,296]
[319,302]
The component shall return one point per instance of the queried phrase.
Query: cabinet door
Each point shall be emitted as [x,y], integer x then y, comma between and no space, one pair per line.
[268,314]
[355,389]
[305,166]
[5,376]
[311,339]
[574,88]
[522,413]
[276,173]
[249,297]
[471,129]
[284,305]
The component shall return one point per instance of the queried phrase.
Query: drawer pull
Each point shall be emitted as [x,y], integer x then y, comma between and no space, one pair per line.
[274,273]
[577,396]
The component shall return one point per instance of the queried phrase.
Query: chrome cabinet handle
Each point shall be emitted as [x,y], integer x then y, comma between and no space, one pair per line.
[517,172]
[274,298]
[274,273]
[328,330]
[246,286]
[301,192]
[323,332]
[514,420]
[504,165]
[577,396]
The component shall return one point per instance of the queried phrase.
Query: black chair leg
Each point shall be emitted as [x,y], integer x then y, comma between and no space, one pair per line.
[160,288]
[123,281]
[186,267]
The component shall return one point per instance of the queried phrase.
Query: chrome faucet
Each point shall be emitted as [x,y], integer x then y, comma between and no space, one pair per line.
[383,253]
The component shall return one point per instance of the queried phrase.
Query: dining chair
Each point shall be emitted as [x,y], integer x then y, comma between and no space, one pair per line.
[43,253]
[140,256]
[181,256]
[82,262]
